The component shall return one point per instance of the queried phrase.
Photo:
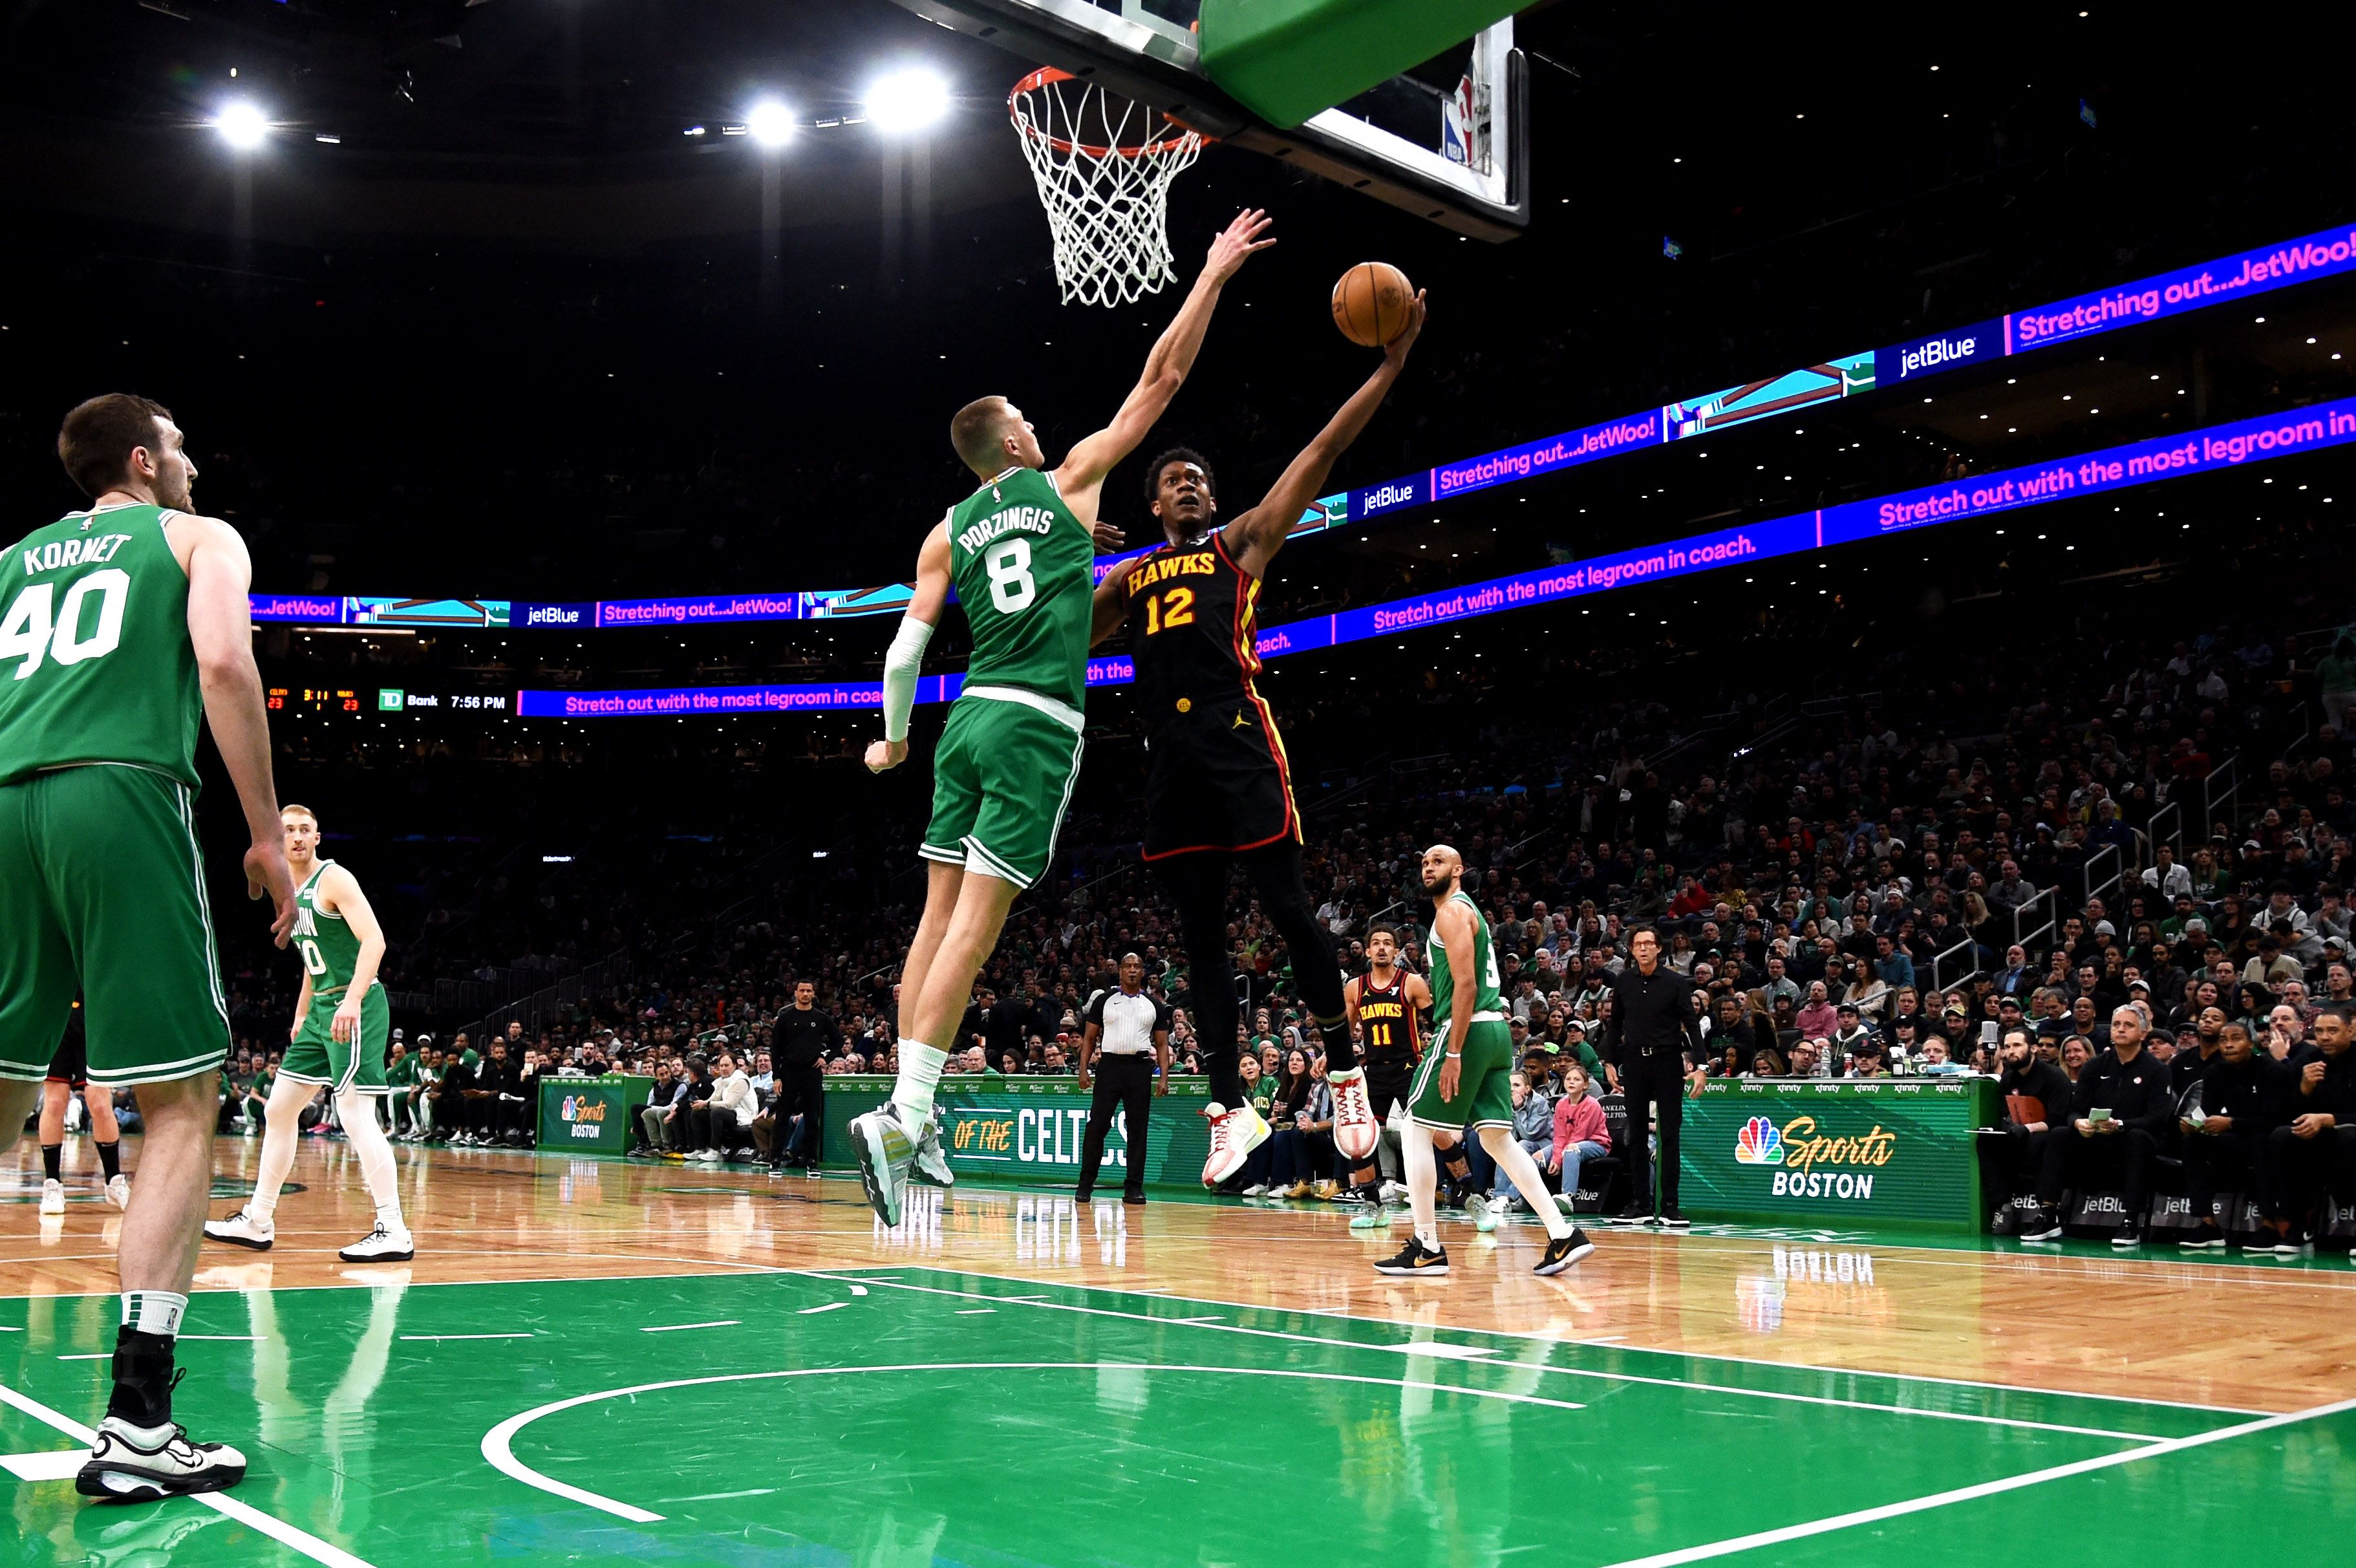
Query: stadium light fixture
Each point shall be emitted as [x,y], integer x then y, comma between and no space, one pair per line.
[241,124]
[770,123]
[907,100]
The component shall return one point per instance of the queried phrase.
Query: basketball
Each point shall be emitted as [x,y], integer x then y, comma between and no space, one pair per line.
[1372,302]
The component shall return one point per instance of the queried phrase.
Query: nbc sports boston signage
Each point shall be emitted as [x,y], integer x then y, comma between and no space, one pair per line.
[1842,1153]
[589,1115]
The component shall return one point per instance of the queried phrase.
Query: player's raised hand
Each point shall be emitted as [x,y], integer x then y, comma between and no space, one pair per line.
[1237,244]
[266,871]
[1395,349]
[885,755]
[1106,536]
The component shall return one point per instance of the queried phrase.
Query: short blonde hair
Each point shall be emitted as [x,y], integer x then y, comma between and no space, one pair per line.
[305,809]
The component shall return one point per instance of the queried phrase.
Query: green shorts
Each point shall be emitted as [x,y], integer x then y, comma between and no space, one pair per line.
[1485,1079]
[103,892]
[315,1055]
[1001,779]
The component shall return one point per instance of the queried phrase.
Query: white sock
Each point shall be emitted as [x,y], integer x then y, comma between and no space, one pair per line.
[1515,1162]
[920,1069]
[1423,1181]
[157,1312]
[377,1170]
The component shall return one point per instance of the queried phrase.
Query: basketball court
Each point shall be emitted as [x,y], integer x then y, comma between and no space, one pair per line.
[600,1359]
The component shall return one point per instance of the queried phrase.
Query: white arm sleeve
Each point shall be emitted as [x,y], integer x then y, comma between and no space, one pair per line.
[901,667]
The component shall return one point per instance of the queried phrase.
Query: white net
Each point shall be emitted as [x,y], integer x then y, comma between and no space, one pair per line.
[1103,164]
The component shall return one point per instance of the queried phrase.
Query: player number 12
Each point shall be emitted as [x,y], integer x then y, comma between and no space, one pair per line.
[1181,610]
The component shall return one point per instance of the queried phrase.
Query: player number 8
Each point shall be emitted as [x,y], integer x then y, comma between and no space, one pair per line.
[1008,565]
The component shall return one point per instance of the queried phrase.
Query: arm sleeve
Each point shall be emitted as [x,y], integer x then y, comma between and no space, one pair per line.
[902,665]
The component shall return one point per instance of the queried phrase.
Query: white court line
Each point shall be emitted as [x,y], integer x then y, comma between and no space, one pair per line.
[1728,1388]
[278,1529]
[830,1306]
[1983,1489]
[859,1290]
[498,1452]
[440,1336]
[675,1327]
[93,1356]
[49,1465]
[975,1311]
[242,1338]
[1345,1316]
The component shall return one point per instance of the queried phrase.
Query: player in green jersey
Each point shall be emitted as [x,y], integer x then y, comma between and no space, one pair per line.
[1467,1081]
[1018,550]
[120,626]
[341,945]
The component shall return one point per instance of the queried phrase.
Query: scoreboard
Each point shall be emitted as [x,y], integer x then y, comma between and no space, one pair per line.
[312,700]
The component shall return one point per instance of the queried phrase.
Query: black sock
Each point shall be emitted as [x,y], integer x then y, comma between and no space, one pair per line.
[1367,1177]
[1340,1051]
[144,1379]
[110,1158]
[1457,1164]
[50,1154]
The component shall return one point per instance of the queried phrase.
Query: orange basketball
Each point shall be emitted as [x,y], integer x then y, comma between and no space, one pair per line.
[1371,302]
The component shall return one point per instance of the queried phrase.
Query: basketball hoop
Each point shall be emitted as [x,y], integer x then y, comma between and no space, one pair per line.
[1106,196]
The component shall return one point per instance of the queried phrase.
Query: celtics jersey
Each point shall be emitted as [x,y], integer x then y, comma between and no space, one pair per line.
[95,661]
[325,941]
[1481,964]
[1019,560]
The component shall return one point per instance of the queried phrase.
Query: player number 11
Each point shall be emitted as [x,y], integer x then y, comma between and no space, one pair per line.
[1179,610]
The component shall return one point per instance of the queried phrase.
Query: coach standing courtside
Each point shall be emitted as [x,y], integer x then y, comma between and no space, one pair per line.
[1651,1030]
[1128,1036]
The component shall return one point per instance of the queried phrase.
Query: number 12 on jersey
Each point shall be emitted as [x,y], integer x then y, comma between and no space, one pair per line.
[1174,608]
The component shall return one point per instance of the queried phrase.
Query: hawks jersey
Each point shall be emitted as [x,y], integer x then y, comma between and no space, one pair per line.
[1389,1019]
[325,941]
[1191,627]
[1478,968]
[95,661]
[1020,558]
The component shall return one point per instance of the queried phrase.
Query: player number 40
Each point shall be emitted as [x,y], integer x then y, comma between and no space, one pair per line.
[33,628]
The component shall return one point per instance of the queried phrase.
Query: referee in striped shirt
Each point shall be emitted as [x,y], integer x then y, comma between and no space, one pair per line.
[1127,1038]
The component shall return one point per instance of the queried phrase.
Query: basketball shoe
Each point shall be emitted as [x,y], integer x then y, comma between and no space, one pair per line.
[241,1230]
[1415,1258]
[385,1244]
[1355,1129]
[136,1465]
[886,1153]
[1561,1251]
[933,1161]
[1234,1135]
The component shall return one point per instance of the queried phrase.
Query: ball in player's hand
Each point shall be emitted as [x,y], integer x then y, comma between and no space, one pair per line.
[1373,302]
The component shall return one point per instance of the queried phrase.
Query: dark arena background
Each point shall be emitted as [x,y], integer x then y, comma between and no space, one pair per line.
[1867,506]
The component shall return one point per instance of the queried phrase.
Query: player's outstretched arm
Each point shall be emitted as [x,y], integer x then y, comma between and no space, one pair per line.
[340,891]
[905,659]
[1254,538]
[1085,467]
[1109,607]
[220,629]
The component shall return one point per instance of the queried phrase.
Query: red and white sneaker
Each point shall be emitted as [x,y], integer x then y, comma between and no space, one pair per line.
[1355,1129]
[1234,1135]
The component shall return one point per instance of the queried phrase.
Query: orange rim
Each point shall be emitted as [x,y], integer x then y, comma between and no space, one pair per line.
[1048,75]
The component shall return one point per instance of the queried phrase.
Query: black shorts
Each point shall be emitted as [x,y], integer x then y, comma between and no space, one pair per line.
[1389,1084]
[1216,779]
[71,1065]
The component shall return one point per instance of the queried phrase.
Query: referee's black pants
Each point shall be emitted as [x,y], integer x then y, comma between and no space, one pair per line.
[1123,1082]
[1659,1078]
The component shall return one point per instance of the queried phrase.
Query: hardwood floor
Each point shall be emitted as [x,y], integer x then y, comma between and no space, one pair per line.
[2256,1336]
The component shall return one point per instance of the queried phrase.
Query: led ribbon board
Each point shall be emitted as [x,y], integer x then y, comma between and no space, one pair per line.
[2064,321]
[2093,473]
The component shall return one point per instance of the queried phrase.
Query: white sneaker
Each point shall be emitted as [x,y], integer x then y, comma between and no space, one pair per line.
[1356,1130]
[123,1468]
[53,1198]
[118,1191]
[384,1244]
[1256,1189]
[241,1230]
[1234,1135]
[1393,1192]
[886,1153]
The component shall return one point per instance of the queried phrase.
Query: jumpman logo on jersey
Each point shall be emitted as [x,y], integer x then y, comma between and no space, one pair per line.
[1240,721]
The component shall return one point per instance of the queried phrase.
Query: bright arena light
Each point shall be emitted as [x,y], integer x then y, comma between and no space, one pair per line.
[771,123]
[241,125]
[907,99]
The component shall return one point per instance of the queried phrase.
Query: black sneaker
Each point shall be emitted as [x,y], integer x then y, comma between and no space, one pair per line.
[1564,1251]
[1675,1219]
[2130,1234]
[1134,1199]
[2045,1224]
[1632,1215]
[1415,1258]
[2293,1242]
[2007,1222]
[2203,1235]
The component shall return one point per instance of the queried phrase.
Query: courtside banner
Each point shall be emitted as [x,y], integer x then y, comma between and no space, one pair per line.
[1984,495]
[1843,1153]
